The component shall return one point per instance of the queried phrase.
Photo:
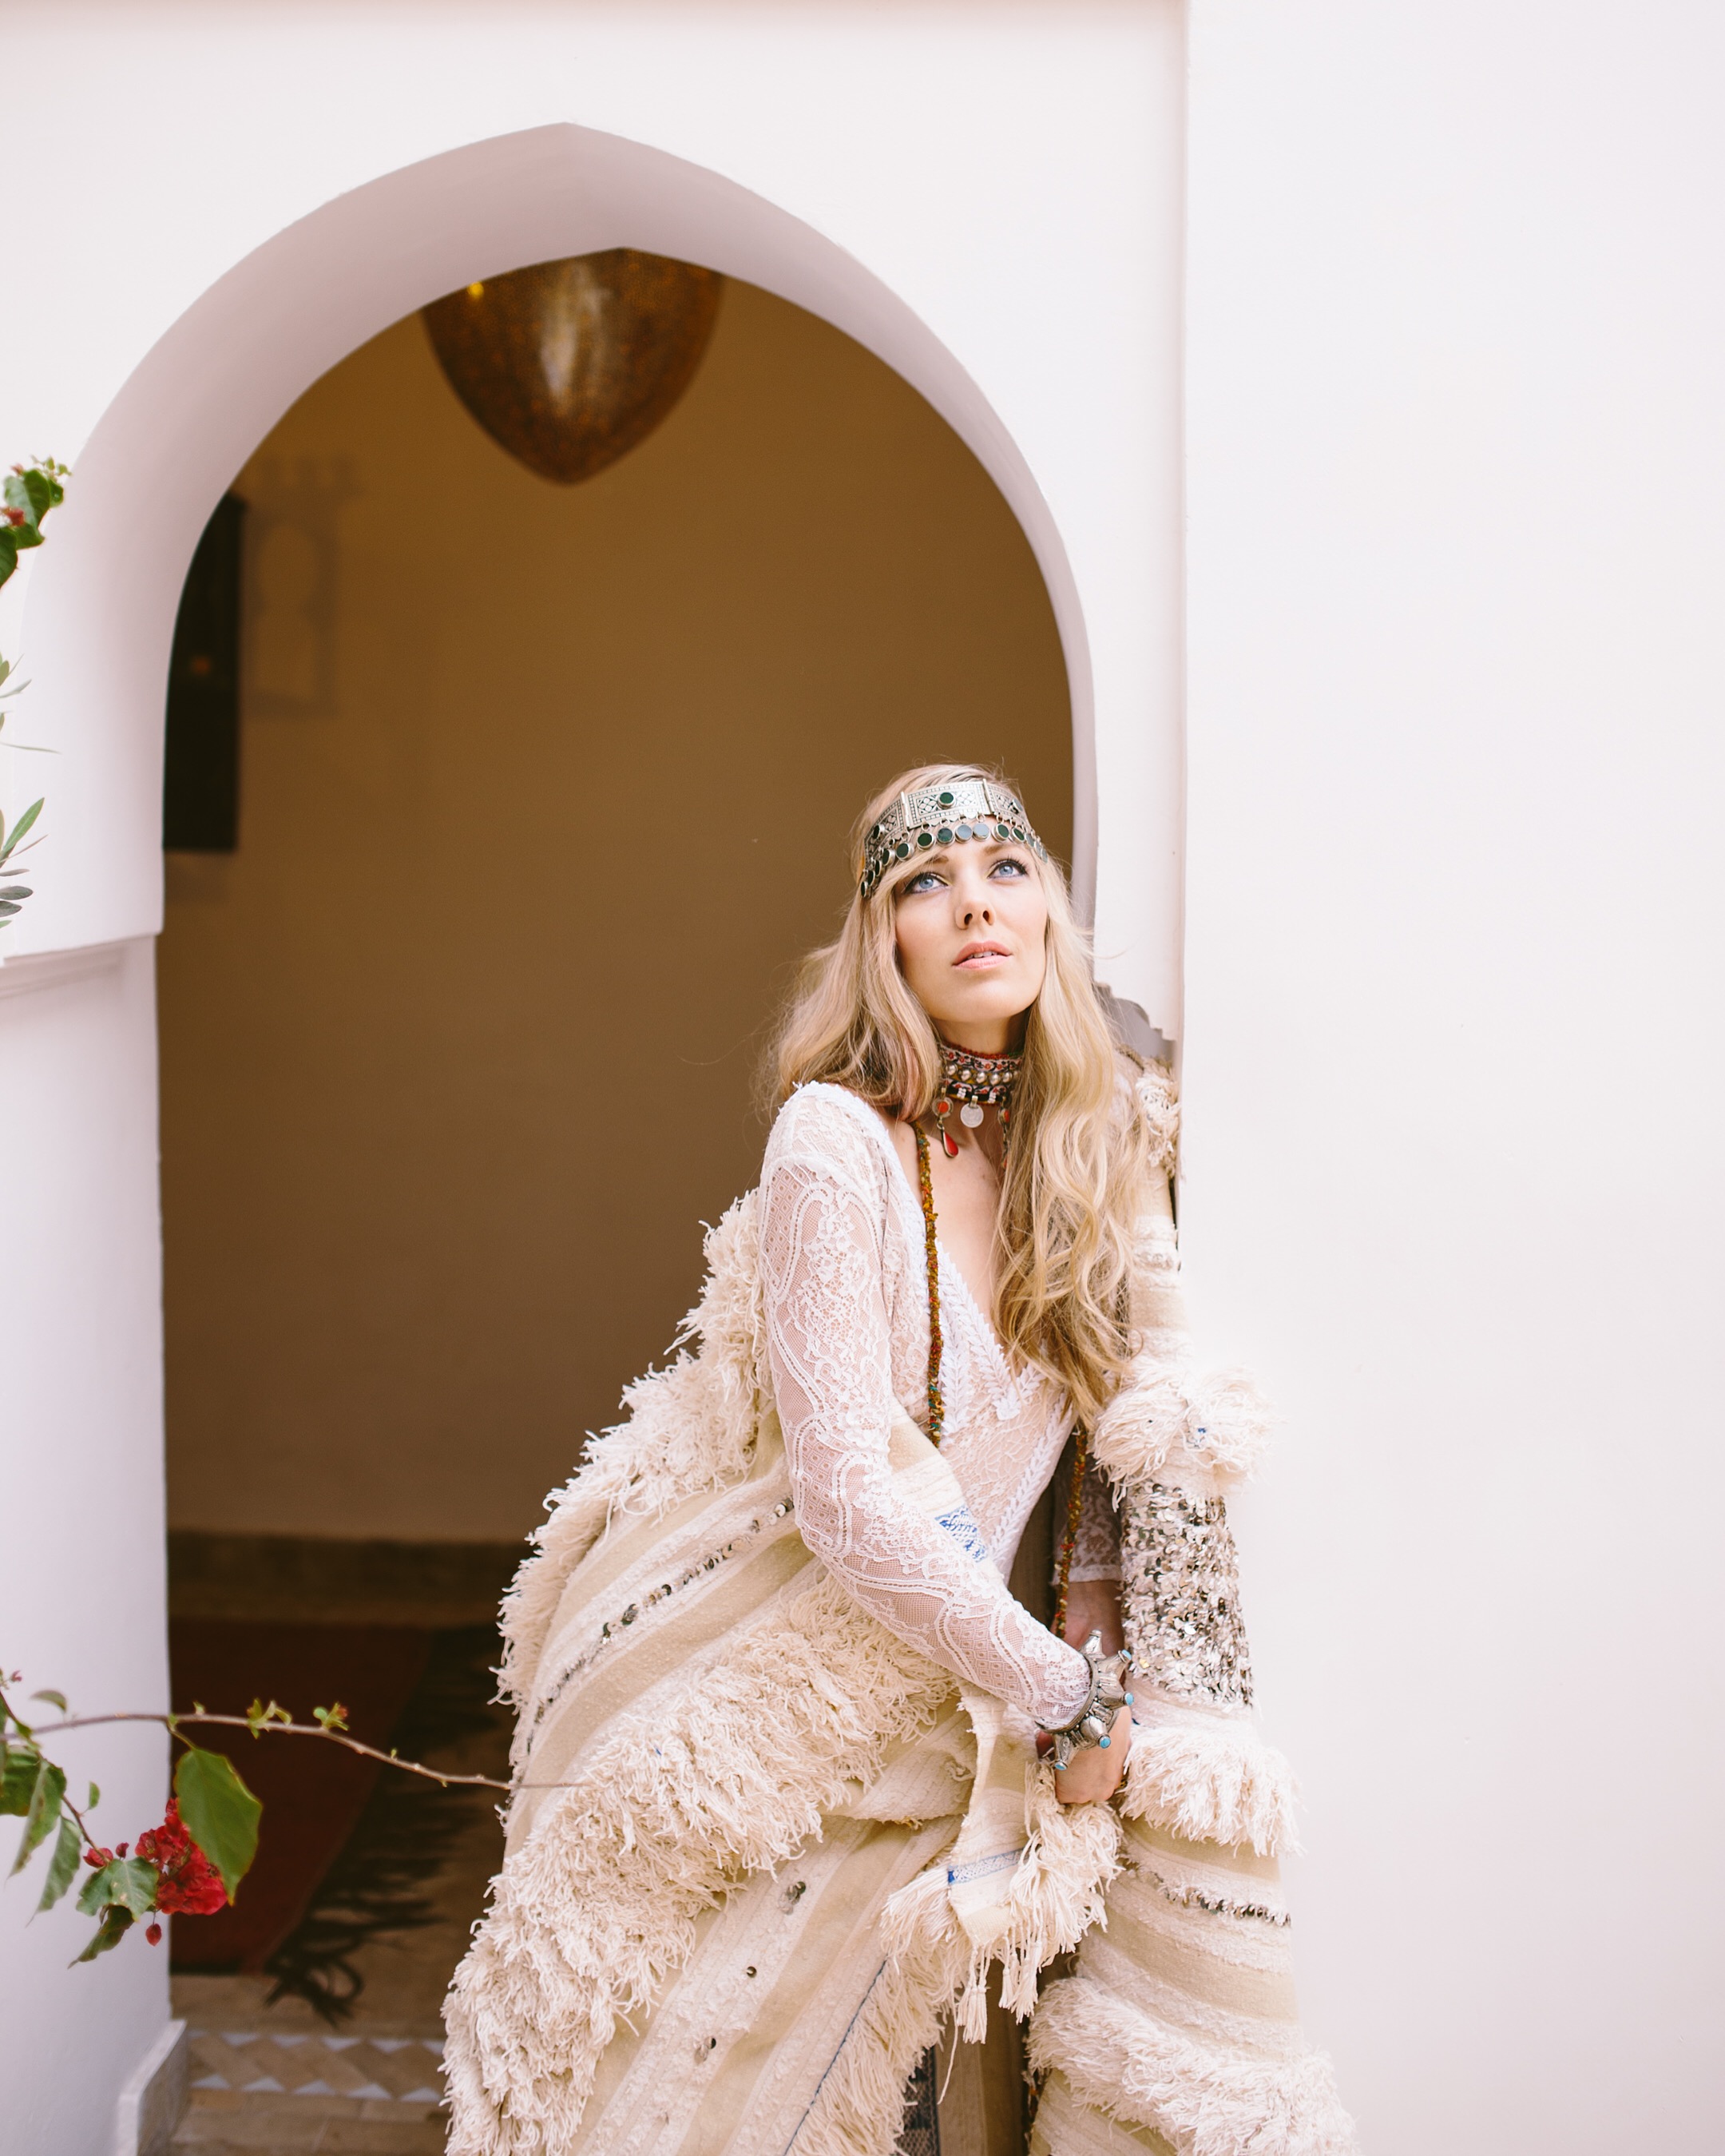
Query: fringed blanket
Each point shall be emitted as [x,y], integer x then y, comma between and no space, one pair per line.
[762,1849]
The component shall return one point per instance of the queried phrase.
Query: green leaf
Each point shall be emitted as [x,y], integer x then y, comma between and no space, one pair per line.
[116,1922]
[54,1698]
[22,890]
[32,491]
[17,1786]
[44,1810]
[129,1882]
[95,1798]
[62,1866]
[19,828]
[220,1813]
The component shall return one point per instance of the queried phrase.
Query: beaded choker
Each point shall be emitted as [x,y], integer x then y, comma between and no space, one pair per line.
[975,1082]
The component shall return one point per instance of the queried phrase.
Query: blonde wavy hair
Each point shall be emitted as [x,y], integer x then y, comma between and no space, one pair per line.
[1074,1177]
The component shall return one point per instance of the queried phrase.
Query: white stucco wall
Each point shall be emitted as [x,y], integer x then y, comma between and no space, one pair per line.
[1456,335]
[82,1605]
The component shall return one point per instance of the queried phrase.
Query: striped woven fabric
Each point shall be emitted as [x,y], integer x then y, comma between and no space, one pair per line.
[760,1848]
[762,1853]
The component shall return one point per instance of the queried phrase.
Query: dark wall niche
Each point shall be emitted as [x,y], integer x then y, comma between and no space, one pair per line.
[200,794]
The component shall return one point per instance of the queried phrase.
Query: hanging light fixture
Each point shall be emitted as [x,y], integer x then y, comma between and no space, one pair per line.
[568,365]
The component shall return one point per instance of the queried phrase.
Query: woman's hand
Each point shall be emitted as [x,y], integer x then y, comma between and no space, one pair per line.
[1094,1605]
[1094,1774]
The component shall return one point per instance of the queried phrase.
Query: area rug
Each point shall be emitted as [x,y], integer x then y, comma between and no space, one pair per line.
[381,1883]
[312,1793]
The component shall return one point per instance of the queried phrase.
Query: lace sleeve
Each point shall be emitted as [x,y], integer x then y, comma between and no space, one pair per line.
[1096,1545]
[829,1343]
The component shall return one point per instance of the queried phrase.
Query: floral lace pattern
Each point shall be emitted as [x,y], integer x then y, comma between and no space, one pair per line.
[1096,1545]
[848,1339]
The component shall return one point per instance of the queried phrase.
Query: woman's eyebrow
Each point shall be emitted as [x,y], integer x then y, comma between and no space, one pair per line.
[940,857]
[993,847]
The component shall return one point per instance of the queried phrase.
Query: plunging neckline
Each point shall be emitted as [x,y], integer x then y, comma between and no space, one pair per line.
[948,1265]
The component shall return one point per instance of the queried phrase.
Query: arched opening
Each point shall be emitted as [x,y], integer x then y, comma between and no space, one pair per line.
[213,387]
[543,792]
[977,269]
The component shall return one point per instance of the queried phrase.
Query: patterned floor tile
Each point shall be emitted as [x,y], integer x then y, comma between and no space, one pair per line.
[375,2068]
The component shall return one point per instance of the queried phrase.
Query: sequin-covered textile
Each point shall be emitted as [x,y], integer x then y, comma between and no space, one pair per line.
[1180,1586]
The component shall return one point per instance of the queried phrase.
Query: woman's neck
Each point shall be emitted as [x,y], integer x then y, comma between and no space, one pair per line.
[986,1037]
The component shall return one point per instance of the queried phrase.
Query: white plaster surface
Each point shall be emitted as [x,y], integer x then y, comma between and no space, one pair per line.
[82,1605]
[1454,1022]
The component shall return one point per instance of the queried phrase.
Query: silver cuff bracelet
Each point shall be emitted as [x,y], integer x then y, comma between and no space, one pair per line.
[1093,1722]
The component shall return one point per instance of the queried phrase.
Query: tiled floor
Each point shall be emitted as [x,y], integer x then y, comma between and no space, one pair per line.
[279,2091]
[381,2069]
[276,2081]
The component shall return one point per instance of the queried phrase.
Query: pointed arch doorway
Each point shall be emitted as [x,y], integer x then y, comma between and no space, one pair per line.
[456,1045]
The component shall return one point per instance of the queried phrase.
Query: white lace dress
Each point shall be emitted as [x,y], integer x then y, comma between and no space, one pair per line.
[844,1265]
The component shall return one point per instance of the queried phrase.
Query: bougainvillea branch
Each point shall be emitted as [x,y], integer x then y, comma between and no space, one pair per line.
[193,1862]
[28,493]
[329,1722]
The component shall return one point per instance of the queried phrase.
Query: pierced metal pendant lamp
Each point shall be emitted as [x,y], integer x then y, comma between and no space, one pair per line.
[569,365]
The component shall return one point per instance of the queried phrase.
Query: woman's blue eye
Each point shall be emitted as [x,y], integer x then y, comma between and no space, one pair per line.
[1006,861]
[926,881]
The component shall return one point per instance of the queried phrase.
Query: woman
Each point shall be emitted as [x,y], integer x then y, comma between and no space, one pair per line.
[800,1782]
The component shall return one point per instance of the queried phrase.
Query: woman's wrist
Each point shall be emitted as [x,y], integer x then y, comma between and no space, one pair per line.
[1076,1679]
[1107,1677]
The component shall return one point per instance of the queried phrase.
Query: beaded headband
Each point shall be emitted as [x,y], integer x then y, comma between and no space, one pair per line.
[945,816]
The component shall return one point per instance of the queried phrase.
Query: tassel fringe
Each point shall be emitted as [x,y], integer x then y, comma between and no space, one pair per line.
[589,1918]
[1212,1422]
[861,2105]
[1056,1896]
[1212,1780]
[1207,2099]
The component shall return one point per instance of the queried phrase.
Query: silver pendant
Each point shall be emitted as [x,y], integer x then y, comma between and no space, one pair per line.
[971,1115]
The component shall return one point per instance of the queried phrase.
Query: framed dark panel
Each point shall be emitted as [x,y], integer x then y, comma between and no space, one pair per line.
[199,794]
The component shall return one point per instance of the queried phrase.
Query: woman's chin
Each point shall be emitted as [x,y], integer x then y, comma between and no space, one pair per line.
[979,1002]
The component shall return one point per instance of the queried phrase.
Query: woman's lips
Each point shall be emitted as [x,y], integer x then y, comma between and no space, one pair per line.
[981,955]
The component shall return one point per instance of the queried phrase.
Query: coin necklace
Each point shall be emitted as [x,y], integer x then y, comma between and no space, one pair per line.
[974,1083]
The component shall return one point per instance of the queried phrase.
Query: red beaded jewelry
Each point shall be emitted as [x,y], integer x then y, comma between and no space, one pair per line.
[925,1189]
[1074,1501]
[975,1082]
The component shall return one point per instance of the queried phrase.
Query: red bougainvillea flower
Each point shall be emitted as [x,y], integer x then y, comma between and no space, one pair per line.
[97,1858]
[154,1935]
[189,1886]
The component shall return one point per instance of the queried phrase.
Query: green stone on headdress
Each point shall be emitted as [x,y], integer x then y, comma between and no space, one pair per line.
[945,816]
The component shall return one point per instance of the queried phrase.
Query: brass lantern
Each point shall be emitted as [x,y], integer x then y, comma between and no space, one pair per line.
[568,365]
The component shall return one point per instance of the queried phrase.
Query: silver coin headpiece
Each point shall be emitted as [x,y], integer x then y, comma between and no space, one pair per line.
[945,816]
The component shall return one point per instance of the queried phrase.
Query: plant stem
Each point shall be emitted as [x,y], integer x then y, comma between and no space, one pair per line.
[174,1722]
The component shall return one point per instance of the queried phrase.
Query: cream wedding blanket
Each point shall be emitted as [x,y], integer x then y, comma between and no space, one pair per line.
[760,1848]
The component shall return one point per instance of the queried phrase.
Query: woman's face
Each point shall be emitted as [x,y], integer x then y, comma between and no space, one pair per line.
[971,929]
